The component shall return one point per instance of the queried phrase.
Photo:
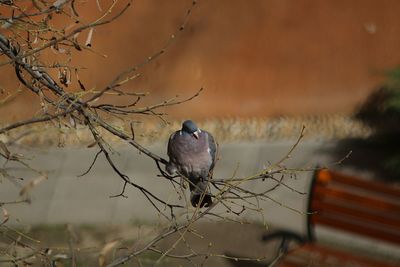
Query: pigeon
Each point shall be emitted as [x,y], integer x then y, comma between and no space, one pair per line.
[192,153]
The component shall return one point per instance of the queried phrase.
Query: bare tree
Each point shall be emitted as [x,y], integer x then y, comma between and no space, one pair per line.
[26,36]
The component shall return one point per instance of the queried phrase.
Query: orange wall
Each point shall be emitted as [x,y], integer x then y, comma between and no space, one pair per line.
[254,58]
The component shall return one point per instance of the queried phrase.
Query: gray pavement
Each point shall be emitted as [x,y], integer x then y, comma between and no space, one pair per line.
[66,198]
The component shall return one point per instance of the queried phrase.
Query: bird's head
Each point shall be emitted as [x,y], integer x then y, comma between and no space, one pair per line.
[191,128]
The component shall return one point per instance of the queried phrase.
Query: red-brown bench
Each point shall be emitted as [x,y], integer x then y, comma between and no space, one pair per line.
[349,204]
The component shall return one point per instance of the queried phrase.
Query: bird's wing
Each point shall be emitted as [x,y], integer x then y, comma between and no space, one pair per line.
[170,149]
[213,149]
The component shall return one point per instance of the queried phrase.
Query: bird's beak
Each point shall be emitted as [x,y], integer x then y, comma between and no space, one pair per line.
[196,135]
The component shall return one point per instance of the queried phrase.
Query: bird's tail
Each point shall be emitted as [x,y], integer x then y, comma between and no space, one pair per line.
[200,193]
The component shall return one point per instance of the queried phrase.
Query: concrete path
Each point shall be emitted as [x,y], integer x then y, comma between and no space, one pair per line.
[66,198]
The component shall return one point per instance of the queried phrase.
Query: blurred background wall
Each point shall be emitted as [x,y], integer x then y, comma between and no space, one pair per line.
[264,58]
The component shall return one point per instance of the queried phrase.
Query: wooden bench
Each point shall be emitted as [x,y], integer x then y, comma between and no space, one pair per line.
[349,204]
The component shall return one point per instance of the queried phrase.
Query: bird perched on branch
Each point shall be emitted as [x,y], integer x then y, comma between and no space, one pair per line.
[192,153]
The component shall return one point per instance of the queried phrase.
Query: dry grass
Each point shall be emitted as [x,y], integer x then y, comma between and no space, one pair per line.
[224,130]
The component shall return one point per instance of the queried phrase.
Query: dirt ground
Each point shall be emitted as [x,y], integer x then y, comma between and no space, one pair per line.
[226,244]
[214,239]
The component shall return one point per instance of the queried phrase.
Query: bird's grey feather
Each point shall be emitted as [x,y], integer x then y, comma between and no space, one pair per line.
[193,158]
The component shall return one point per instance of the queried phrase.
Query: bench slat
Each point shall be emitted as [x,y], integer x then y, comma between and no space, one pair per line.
[317,255]
[383,218]
[356,228]
[366,201]
[326,176]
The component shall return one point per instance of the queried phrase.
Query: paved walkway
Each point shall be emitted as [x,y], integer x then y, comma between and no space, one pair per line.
[68,198]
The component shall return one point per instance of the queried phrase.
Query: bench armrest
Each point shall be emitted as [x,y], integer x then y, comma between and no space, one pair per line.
[287,237]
